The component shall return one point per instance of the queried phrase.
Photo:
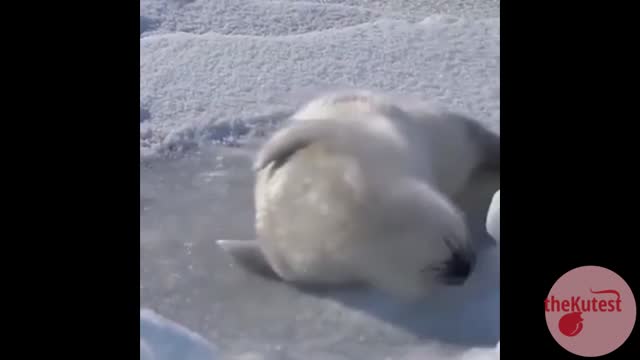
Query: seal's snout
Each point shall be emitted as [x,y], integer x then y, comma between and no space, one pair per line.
[459,267]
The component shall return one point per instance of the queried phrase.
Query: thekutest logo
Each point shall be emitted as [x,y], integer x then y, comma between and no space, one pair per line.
[590,311]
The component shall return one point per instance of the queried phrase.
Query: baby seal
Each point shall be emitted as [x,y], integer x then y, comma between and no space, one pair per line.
[356,190]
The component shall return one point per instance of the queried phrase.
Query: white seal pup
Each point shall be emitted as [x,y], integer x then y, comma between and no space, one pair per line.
[360,195]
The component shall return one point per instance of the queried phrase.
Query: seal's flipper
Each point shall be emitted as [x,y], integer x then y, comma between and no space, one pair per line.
[493,217]
[288,140]
[248,254]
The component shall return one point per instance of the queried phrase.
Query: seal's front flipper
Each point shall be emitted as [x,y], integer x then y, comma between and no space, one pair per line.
[247,253]
[493,217]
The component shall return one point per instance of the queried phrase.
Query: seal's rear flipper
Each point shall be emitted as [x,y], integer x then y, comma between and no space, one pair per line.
[247,253]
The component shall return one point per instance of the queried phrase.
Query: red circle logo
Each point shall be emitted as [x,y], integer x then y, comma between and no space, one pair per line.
[590,311]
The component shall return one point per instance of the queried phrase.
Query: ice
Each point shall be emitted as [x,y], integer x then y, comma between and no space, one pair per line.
[216,76]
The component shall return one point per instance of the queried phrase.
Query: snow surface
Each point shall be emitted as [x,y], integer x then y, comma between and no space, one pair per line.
[216,76]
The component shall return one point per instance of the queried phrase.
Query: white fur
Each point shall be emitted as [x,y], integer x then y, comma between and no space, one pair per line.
[356,189]
[433,140]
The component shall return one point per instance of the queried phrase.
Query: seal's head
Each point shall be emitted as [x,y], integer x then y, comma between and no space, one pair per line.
[418,240]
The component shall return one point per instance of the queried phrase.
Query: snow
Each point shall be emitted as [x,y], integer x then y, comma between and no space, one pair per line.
[163,339]
[216,76]
[214,70]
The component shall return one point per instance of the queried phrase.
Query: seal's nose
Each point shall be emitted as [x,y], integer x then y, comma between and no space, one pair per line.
[459,267]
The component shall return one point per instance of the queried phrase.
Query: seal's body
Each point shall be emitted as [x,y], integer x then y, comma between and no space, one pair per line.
[357,189]
[445,148]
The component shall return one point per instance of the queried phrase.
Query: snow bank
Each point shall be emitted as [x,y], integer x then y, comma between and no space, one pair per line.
[213,71]
[163,339]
